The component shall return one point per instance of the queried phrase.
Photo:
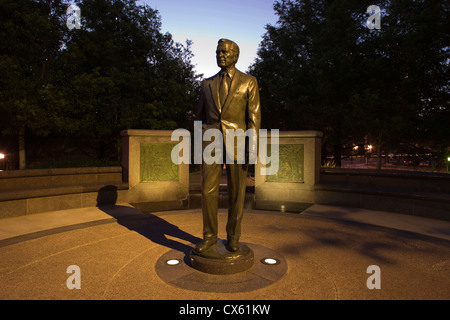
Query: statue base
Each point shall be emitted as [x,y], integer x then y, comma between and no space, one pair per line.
[218,260]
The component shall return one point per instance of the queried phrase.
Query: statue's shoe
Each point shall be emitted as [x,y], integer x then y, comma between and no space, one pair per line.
[233,245]
[205,245]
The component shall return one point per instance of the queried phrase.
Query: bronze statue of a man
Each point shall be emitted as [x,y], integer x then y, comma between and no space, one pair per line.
[228,100]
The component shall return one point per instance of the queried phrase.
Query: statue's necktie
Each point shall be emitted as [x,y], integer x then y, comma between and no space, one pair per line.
[224,88]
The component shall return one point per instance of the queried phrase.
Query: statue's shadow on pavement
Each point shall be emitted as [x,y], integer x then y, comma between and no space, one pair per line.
[148,225]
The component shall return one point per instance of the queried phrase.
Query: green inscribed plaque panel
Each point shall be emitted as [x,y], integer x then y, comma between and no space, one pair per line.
[291,163]
[156,162]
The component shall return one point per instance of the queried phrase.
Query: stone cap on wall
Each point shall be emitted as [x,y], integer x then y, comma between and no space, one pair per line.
[387,173]
[147,133]
[57,171]
[287,134]
[296,134]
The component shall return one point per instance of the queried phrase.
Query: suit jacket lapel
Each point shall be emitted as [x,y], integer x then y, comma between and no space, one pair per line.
[234,86]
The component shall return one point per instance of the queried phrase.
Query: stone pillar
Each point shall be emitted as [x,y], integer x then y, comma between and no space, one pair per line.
[292,187]
[149,170]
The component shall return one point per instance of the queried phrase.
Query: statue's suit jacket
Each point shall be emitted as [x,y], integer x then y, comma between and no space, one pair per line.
[241,109]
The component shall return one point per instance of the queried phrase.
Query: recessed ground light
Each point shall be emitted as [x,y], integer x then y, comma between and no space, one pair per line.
[173,262]
[270,261]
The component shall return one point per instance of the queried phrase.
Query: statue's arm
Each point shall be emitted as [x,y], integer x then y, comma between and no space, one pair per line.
[254,106]
[200,114]
[254,115]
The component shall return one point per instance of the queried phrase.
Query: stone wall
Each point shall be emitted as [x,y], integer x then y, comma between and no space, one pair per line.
[150,172]
[292,186]
[151,182]
[40,190]
[414,193]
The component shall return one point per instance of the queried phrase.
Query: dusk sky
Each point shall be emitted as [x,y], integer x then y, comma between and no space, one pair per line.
[206,21]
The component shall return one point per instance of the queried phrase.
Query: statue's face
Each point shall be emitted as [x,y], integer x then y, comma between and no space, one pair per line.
[226,57]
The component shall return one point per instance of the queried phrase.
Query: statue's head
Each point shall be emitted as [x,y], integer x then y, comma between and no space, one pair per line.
[227,53]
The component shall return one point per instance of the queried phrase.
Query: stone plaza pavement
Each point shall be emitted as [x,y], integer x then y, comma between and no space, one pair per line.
[326,252]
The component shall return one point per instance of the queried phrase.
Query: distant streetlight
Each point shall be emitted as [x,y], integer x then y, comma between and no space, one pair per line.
[368,147]
[2,165]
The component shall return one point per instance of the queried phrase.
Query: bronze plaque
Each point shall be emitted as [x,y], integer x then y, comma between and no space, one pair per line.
[291,163]
[156,162]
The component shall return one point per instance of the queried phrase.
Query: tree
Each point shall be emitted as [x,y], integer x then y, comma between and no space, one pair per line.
[406,70]
[119,71]
[308,67]
[321,68]
[30,37]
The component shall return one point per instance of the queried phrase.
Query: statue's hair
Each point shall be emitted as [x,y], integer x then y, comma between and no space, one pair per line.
[233,45]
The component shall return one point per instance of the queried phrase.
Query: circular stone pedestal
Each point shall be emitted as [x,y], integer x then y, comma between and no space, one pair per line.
[218,260]
[174,267]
